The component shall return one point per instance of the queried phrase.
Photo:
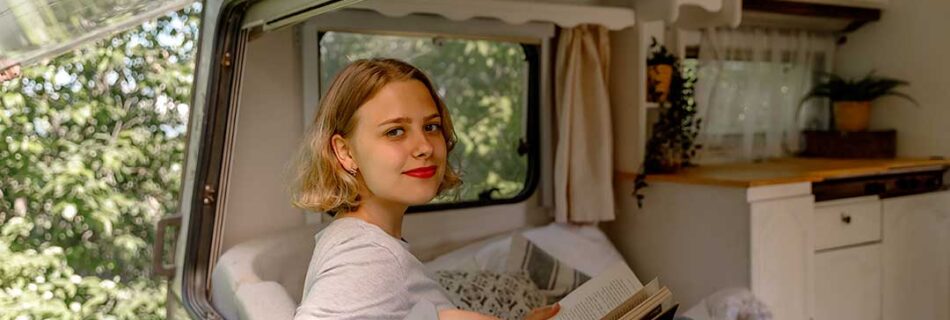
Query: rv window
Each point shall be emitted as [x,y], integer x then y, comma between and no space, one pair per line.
[731,121]
[485,87]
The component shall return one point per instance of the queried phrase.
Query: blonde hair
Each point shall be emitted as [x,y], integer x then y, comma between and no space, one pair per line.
[322,184]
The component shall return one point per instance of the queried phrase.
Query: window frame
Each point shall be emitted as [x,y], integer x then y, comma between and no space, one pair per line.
[210,123]
[218,76]
[532,38]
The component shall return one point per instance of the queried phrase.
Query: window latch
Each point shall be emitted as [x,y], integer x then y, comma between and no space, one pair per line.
[523,147]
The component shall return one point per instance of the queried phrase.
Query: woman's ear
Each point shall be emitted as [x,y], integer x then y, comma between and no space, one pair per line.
[343,152]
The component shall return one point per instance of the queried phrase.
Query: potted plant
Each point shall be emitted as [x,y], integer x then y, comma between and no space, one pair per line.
[671,145]
[852,97]
[660,66]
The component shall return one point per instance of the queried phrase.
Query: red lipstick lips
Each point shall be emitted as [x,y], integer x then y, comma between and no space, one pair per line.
[423,172]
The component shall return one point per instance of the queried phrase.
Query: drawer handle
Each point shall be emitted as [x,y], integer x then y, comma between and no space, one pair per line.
[846,218]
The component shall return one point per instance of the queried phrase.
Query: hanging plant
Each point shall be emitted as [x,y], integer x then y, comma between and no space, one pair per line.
[672,142]
[660,67]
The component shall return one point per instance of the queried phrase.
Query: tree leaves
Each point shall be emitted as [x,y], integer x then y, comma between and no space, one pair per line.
[83,152]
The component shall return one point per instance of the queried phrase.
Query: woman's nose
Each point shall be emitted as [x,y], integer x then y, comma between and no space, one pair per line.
[423,147]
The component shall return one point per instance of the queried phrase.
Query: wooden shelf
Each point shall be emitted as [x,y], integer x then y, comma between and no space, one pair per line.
[625,176]
[811,14]
[691,13]
[785,170]
[514,12]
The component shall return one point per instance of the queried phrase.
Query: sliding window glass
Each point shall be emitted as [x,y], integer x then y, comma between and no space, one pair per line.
[484,84]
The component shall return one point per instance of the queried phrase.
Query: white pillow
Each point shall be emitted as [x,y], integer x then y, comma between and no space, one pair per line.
[265,300]
[554,278]
[586,248]
[488,254]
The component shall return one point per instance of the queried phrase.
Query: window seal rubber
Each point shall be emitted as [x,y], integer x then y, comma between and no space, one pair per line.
[224,79]
[532,136]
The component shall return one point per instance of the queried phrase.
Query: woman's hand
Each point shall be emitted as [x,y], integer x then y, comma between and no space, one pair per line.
[9,72]
[542,313]
[456,314]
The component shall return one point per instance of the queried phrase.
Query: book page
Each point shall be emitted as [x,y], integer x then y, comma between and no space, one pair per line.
[652,307]
[598,296]
[635,301]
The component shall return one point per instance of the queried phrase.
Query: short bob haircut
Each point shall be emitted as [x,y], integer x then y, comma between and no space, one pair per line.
[322,184]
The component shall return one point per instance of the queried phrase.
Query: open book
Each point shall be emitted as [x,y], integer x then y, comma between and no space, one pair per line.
[617,294]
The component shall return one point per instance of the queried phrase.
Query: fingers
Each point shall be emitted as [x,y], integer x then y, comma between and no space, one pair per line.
[10,73]
[555,308]
[456,314]
[544,312]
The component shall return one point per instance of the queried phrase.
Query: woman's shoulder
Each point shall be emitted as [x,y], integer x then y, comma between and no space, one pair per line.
[354,229]
[351,236]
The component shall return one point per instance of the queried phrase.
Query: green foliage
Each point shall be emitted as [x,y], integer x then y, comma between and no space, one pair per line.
[660,55]
[42,285]
[483,85]
[90,159]
[867,88]
[672,141]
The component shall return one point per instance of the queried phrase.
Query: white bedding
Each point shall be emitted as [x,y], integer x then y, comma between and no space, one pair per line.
[585,248]
[263,278]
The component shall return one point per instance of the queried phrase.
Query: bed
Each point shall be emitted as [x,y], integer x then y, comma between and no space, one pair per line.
[263,278]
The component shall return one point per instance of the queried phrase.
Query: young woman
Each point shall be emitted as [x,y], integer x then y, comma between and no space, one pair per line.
[379,144]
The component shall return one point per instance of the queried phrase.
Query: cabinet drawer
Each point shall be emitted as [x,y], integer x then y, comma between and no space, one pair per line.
[847,222]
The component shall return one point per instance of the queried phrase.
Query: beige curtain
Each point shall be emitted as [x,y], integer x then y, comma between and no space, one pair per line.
[583,163]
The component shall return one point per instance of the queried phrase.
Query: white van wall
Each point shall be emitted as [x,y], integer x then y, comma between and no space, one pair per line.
[267,137]
[909,43]
[268,132]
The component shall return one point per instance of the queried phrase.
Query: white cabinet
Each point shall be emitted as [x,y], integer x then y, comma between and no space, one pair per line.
[847,222]
[904,276]
[781,243]
[860,258]
[847,260]
[848,283]
[698,239]
[916,257]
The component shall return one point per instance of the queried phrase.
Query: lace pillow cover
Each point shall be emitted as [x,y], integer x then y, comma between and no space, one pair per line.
[503,295]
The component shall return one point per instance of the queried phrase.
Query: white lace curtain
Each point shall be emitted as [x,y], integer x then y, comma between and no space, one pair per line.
[749,88]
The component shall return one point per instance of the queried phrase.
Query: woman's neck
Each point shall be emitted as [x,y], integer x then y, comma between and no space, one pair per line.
[384,214]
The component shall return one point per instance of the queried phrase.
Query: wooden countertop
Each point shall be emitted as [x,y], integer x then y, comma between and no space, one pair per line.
[789,170]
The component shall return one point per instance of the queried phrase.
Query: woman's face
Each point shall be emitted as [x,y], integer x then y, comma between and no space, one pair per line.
[397,144]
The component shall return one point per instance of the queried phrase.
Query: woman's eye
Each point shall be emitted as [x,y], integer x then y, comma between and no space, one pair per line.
[395,132]
[433,127]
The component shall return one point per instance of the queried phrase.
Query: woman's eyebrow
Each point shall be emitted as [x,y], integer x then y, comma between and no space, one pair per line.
[395,120]
[407,120]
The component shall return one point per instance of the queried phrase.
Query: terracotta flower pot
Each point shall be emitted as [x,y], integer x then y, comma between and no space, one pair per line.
[852,115]
[672,161]
[659,78]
